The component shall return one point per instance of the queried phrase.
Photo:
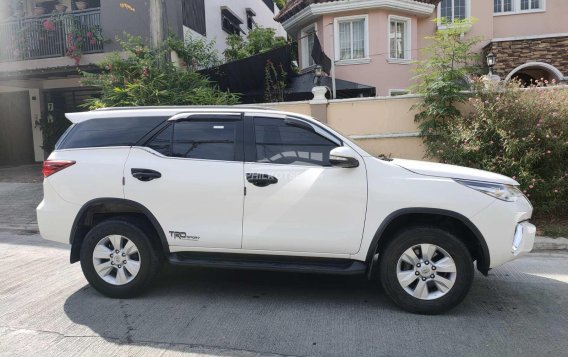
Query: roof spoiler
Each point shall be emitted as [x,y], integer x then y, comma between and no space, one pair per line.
[76,117]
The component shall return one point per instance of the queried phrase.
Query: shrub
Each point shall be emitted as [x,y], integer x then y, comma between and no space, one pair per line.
[522,133]
[197,53]
[258,40]
[142,76]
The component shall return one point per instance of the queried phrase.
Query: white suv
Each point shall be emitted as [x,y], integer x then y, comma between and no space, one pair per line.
[253,188]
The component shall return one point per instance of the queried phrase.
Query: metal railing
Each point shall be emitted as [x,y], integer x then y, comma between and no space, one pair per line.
[47,35]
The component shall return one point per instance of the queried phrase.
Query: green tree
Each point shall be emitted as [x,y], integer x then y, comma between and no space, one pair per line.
[280,3]
[258,40]
[442,80]
[142,76]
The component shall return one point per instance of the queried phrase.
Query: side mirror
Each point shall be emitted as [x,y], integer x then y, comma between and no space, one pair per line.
[343,156]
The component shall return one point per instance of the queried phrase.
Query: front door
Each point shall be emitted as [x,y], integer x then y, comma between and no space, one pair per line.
[190,177]
[295,201]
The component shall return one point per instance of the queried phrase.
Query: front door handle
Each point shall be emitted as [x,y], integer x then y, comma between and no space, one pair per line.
[145,175]
[261,180]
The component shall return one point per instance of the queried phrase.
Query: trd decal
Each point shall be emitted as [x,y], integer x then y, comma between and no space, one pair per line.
[182,236]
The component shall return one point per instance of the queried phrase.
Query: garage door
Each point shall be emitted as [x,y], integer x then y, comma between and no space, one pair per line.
[16,141]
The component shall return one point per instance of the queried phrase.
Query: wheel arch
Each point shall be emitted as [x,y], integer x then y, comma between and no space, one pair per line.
[99,209]
[446,219]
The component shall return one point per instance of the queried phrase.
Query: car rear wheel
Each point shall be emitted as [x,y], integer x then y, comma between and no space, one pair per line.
[118,259]
[426,270]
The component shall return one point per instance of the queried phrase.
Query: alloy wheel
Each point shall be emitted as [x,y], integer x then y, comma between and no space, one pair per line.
[426,271]
[116,259]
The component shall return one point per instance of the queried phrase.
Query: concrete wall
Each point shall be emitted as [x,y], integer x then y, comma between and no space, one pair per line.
[550,21]
[116,20]
[381,125]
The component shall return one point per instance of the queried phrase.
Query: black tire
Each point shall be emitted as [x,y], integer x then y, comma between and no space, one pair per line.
[409,238]
[150,261]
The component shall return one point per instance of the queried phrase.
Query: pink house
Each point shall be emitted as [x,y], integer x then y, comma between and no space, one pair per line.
[376,42]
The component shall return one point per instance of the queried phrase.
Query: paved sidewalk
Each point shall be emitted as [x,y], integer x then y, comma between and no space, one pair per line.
[21,174]
[18,202]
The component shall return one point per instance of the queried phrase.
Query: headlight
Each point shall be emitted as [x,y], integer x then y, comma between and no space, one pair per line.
[500,191]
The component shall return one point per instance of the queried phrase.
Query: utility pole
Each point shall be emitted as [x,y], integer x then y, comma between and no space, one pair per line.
[158,22]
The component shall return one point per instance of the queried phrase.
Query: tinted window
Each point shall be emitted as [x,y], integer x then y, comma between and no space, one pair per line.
[162,142]
[209,140]
[281,143]
[204,140]
[109,132]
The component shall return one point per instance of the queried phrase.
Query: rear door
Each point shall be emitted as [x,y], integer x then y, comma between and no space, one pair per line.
[295,201]
[190,176]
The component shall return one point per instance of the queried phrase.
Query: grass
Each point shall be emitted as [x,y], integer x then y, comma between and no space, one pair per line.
[551,226]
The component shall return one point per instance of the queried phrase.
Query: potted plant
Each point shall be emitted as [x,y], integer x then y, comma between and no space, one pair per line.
[39,10]
[80,37]
[81,5]
[17,8]
[60,7]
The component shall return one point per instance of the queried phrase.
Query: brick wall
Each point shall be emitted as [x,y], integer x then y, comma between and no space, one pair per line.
[511,54]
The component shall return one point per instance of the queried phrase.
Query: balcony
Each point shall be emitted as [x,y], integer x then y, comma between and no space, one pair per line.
[54,35]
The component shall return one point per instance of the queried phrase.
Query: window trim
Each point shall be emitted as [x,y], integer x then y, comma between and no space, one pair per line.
[250,18]
[517,9]
[408,39]
[439,13]
[365,58]
[401,91]
[305,60]
[234,20]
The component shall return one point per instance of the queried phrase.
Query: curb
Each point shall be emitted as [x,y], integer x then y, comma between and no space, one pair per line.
[548,244]
[26,229]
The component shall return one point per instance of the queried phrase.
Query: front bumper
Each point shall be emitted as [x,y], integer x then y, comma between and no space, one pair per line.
[506,229]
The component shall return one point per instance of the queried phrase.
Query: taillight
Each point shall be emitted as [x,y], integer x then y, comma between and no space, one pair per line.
[52,166]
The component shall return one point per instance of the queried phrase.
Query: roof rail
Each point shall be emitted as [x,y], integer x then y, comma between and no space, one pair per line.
[240,106]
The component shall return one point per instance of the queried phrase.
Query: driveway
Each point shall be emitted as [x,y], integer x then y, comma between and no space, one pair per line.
[21,191]
[48,308]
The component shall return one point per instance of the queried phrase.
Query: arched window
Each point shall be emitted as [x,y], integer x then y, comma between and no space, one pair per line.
[531,72]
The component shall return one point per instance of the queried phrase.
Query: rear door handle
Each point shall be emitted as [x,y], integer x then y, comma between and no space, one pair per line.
[145,175]
[261,180]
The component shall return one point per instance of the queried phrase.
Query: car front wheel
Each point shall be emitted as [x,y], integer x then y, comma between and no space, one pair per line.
[426,270]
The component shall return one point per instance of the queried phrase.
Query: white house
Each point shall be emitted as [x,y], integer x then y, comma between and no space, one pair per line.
[216,19]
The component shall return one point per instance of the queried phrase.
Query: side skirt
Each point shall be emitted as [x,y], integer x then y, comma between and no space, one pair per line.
[270,263]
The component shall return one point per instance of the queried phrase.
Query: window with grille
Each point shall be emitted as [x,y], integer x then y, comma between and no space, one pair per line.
[453,10]
[399,38]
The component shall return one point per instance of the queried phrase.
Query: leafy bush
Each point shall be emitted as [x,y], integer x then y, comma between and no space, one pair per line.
[197,53]
[142,76]
[280,3]
[258,40]
[522,133]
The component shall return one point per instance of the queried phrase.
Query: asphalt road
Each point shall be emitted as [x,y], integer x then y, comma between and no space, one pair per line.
[47,308]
